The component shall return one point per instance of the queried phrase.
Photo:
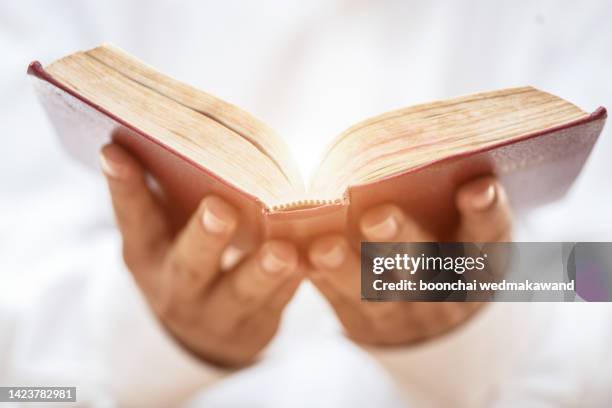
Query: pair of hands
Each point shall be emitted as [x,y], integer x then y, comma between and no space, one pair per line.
[227,317]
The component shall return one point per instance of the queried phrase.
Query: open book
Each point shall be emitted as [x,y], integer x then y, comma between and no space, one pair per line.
[195,144]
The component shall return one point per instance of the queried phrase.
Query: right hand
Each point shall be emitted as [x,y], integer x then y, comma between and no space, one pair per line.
[485,216]
[224,317]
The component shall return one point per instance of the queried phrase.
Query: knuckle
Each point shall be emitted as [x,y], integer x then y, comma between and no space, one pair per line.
[184,271]
[244,294]
[171,307]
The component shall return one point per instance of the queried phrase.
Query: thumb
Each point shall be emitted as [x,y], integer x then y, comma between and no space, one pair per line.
[140,218]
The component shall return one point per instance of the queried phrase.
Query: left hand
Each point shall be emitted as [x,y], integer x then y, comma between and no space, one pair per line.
[485,217]
[223,316]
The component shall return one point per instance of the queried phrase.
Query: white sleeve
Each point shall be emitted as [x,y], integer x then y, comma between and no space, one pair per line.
[567,363]
[90,328]
[512,354]
[461,368]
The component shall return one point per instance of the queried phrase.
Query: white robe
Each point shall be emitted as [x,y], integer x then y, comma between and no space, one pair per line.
[69,312]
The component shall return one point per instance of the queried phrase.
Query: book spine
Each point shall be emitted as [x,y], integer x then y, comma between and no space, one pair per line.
[304,204]
[303,220]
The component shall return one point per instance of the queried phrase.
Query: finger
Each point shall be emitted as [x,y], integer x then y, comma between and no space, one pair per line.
[279,300]
[485,212]
[140,219]
[329,291]
[242,291]
[194,259]
[388,223]
[348,310]
[338,277]
[336,263]
[267,318]
[260,326]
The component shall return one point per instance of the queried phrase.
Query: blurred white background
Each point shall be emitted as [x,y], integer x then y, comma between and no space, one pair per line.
[309,69]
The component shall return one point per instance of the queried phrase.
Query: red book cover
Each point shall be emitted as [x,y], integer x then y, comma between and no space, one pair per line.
[535,168]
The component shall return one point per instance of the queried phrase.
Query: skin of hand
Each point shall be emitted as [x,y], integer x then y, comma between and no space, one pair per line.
[225,317]
[484,217]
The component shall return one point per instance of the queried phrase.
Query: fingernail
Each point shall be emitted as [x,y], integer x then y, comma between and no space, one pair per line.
[330,257]
[277,257]
[217,216]
[481,200]
[383,229]
[109,167]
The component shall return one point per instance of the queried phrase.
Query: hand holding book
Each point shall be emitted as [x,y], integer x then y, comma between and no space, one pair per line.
[484,217]
[216,165]
[226,317]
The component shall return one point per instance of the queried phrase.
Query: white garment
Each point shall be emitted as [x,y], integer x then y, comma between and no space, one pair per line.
[69,312]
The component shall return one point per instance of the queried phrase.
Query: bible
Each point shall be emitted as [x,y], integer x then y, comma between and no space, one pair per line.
[194,144]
